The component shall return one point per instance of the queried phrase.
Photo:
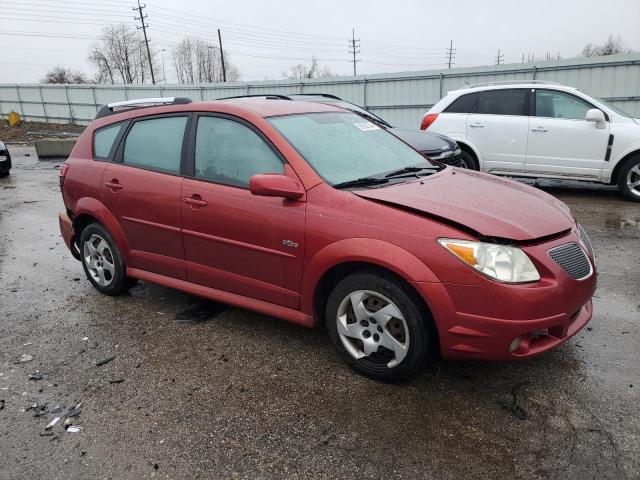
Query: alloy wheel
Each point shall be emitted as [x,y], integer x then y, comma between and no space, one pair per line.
[370,325]
[98,258]
[633,180]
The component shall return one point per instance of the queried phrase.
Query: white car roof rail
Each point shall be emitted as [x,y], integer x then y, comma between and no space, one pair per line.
[511,82]
[115,107]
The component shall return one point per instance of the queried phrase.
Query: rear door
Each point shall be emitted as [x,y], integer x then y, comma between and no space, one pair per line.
[236,241]
[498,127]
[561,141]
[142,188]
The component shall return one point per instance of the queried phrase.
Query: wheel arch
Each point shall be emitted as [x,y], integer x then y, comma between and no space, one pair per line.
[89,210]
[471,150]
[620,163]
[341,258]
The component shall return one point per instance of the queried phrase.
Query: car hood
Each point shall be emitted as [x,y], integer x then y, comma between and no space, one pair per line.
[425,141]
[488,205]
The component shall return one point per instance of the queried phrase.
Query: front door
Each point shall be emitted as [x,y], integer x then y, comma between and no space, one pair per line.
[143,189]
[561,141]
[498,127]
[236,241]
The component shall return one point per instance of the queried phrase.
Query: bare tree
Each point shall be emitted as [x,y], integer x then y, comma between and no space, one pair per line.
[197,61]
[301,71]
[610,47]
[64,75]
[119,56]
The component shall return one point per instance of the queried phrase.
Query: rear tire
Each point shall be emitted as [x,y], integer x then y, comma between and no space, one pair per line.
[102,261]
[378,326]
[629,179]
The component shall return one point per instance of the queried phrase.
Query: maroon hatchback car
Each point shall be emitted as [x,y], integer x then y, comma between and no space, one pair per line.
[315,215]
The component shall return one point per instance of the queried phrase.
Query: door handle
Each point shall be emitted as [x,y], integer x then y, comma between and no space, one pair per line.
[538,129]
[113,184]
[195,200]
[476,125]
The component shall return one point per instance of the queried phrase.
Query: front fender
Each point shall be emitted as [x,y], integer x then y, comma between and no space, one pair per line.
[95,208]
[464,140]
[366,250]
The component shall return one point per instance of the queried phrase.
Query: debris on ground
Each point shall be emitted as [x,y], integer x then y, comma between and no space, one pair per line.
[28,132]
[202,312]
[117,380]
[73,412]
[52,423]
[36,376]
[25,358]
[74,429]
[512,406]
[1,404]
[105,361]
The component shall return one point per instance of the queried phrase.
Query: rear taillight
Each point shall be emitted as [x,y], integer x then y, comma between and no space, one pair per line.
[63,173]
[427,120]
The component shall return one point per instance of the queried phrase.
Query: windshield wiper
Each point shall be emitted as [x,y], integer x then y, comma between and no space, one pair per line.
[361,182]
[405,170]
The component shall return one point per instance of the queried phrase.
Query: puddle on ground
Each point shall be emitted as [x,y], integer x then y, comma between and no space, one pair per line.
[202,312]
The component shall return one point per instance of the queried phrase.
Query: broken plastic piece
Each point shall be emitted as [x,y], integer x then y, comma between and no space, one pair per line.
[52,423]
[25,358]
[74,429]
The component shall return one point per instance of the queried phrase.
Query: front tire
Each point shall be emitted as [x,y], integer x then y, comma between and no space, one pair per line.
[378,326]
[629,179]
[102,261]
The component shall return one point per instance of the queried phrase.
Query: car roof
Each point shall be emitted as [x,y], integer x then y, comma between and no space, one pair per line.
[268,107]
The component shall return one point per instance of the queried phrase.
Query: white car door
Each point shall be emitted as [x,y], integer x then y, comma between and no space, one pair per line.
[561,141]
[498,127]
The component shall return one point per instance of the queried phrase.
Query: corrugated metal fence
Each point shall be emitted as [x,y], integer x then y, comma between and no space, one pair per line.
[400,98]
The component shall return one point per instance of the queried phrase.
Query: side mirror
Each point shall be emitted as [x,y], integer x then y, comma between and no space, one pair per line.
[596,116]
[275,186]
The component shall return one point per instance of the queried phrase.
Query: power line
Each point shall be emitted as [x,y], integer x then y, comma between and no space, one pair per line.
[146,40]
[451,53]
[353,49]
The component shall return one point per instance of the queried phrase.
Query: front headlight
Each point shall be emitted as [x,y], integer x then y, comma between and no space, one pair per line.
[2,146]
[584,238]
[500,262]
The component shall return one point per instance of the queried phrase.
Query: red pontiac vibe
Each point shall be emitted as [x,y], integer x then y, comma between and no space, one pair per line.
[312,214]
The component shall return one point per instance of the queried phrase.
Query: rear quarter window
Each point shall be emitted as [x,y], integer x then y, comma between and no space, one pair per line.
[464,104]
[104,141]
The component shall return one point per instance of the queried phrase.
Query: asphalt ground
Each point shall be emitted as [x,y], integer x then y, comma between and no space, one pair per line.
[193,389]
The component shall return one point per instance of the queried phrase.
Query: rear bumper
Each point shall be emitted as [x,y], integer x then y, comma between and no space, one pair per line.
[68,234]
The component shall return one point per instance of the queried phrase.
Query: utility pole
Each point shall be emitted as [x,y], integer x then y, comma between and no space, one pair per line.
[499,58]
[451,53]
[354,44]
[224,69]
[146,40]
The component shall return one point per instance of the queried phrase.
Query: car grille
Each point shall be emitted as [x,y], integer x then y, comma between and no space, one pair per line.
[572,259]
[454,160]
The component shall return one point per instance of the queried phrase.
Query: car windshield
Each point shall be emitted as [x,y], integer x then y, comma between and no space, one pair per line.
[343,147]
[357,109]
[607,104]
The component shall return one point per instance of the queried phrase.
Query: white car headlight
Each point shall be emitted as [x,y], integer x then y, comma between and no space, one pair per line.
[500,262]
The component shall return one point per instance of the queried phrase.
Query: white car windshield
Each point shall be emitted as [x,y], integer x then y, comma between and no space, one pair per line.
[343,147]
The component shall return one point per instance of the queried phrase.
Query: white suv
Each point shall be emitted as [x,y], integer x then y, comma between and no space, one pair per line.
[541,129]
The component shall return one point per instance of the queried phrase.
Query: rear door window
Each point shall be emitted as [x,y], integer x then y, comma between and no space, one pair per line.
[503,102]
[104,141]
[155,144]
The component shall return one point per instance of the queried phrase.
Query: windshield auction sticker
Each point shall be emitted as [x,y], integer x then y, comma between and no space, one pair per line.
[366,126]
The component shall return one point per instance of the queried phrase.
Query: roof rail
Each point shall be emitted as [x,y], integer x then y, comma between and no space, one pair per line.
[510,82]
[268,96]
[115,107]
[326,95]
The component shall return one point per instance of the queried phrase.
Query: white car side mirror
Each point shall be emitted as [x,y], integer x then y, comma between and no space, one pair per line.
[596,116]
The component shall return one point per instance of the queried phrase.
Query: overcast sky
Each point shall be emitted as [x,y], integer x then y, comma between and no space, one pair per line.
[265,37]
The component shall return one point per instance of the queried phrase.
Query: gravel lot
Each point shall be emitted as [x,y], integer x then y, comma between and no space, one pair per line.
[241,395]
